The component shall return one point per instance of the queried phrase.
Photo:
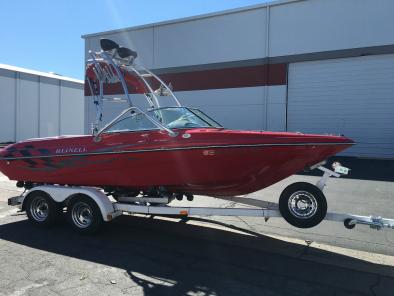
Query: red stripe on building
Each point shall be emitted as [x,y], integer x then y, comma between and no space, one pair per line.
[260,75]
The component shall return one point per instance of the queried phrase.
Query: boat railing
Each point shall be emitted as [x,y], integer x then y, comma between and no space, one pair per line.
[136,111]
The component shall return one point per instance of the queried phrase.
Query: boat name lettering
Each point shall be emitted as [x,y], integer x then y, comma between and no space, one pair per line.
[71,150]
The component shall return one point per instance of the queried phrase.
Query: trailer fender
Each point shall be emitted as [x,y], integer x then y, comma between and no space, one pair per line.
[62,193]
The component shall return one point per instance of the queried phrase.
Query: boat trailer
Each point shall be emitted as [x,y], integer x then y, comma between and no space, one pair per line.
[109,209]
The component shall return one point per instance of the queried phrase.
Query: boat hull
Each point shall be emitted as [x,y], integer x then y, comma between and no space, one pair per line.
[220,163]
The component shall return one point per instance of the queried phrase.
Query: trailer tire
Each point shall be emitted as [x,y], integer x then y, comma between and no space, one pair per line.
[41,209]
[348,223]
[84,215]
[303,205]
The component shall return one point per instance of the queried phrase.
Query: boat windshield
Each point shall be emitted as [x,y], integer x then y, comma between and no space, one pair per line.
[170,117]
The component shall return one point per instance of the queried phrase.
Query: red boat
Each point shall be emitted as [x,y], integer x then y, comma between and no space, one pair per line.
[171,151]
[206,160]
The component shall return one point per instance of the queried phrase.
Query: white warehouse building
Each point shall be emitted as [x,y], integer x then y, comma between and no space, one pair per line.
[313,66]
[36,104]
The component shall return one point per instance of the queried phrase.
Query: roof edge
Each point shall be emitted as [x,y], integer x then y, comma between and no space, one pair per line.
[191,18]
[39,73]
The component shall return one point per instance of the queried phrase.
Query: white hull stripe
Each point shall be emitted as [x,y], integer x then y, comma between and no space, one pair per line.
[177,149]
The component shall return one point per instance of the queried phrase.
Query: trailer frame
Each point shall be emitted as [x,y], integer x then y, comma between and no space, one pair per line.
[110,209]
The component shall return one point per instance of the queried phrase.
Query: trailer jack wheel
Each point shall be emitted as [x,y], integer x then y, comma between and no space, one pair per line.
[303,205]
[348,223]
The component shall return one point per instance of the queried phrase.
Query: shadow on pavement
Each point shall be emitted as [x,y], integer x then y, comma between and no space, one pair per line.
[362,168]
[174,258]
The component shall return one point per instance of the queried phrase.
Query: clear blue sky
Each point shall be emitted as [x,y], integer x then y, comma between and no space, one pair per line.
[45,35]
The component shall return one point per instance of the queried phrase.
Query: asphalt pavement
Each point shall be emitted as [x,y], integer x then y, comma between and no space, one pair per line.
[138,255]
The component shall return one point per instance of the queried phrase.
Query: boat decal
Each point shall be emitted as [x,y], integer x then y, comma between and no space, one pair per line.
[74,150]
[176,149]
[43,151]
[26,155]
[25,152]
[74,162]
[8,156]
[48,162]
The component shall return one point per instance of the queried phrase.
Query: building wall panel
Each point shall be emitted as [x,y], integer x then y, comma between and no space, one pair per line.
[28,112]
[72,109]
[276,108]
[231,37]
[321,25]
[7,103]
[49,107]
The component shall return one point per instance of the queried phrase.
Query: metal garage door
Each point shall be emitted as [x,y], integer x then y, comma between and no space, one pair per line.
[352,96]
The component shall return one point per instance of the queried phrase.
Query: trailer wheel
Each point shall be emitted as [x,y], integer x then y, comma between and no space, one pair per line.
[84,215]
[348,223]
[41,209]
[303,205]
